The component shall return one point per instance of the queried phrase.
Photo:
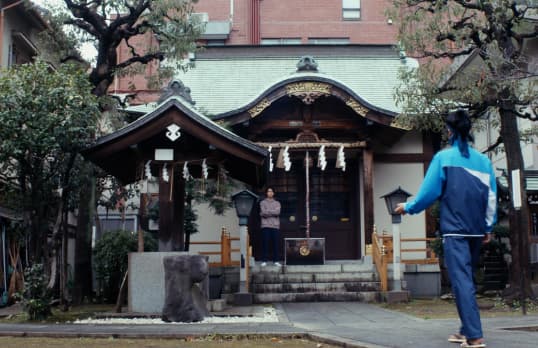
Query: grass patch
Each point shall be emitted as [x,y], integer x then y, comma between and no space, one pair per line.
[490,307]
[216,341]
[59,316]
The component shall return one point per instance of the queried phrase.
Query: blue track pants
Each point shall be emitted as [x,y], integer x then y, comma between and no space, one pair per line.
[461,256]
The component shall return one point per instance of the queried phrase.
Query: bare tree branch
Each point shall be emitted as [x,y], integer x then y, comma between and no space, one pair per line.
[493,146]
[145,59]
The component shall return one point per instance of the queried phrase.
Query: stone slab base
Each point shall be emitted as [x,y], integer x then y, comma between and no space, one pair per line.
[243,299]
[395,296]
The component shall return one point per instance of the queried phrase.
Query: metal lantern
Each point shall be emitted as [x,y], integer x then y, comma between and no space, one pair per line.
[392,199]
[243,202]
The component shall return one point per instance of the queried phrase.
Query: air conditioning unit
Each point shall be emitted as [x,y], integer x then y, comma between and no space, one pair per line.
[533,253]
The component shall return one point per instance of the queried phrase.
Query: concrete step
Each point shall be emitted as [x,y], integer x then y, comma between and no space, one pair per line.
[327,268]
[318,296]
[332,287]
[304,277]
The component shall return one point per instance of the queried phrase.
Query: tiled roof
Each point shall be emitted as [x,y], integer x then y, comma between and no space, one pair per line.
[222,85]
[226,79]
[189,111]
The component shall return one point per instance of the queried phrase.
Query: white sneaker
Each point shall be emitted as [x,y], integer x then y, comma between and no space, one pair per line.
[264,264]
[277,264]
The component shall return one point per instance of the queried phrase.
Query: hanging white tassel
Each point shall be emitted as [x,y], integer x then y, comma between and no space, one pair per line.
[147,170]
[165,176]
[322,160]
[205,171]
[186,174]
[271,164]
[341,159]
[286,159]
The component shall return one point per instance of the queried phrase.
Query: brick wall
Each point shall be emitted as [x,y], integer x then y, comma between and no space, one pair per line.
[282,19]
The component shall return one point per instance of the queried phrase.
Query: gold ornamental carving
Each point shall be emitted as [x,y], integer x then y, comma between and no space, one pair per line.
[358,108]
[258,108]
[398,123]
[308,92]
[304,250]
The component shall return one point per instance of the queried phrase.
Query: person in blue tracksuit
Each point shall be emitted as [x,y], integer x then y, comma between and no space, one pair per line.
[463,180]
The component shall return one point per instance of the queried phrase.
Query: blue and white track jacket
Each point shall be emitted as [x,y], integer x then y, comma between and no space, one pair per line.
[467,191]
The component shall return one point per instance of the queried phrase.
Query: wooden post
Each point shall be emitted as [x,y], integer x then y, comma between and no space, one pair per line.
[225,248]
[248,263]
[171,212]
[141,216]
[368,182]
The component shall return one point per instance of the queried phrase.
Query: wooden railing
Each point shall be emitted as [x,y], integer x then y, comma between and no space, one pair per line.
[380,258]
[225,251]
[382,254]
[430,258]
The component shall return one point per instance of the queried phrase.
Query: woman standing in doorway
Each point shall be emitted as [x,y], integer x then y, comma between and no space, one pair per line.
[270,224]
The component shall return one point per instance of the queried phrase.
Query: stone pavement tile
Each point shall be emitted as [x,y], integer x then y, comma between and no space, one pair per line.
[368,324]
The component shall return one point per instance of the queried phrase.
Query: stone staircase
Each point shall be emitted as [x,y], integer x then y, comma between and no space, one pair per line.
[334,281]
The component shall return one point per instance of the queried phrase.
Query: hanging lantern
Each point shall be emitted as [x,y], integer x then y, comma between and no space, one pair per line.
[322,160]
[165,176]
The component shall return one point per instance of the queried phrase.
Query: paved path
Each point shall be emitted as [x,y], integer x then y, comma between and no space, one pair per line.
[371,326]
[351,324]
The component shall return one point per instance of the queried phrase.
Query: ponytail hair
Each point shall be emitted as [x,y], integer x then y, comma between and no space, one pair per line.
[459,124]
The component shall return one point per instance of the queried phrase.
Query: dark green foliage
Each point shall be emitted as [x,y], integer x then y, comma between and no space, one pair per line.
[36,298]
[47,117]
[190,218]
[110,259]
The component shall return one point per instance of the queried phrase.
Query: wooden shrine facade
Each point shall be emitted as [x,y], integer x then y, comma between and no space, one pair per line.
[169,145]
[309,136]
[312,115]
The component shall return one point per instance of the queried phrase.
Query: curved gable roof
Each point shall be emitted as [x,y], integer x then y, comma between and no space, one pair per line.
[117,154]
[229,78]
[333,86]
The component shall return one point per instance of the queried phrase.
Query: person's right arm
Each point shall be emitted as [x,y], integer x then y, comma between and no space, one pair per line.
[430,190]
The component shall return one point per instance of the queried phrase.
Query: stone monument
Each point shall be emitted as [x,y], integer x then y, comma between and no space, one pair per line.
[185,281]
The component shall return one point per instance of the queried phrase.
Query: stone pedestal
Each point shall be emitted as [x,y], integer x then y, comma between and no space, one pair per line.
[146,281]
[185,299]
[423,281]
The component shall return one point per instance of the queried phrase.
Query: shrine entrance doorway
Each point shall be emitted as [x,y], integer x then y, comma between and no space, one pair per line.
[333,208]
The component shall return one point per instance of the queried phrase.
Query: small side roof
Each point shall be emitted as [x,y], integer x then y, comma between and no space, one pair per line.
[121,153]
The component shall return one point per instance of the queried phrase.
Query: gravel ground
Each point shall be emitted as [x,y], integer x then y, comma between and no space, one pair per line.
[269,316]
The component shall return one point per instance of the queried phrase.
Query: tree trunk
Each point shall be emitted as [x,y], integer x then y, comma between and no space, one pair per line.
[187,240]
[64,291]
[54,257]
[83,250]
[519,219]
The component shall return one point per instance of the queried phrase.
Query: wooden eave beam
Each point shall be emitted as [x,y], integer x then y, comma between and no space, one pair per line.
[187,125]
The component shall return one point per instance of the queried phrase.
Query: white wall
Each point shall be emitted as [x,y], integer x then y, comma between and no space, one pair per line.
[210,226]
[409,176]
